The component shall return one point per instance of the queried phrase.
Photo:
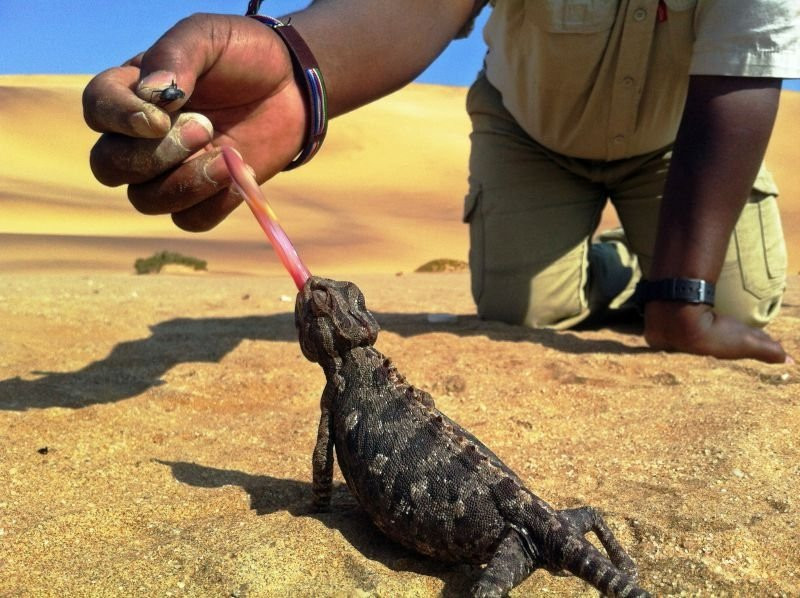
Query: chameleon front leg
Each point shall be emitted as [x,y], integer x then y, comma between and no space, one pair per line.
[322,457]
[510,565]
[588,519]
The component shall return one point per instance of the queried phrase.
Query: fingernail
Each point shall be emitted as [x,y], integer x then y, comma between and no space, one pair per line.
[216,171]
[789,360]
[193,130]
[141,124]
[152,124]
[151,87]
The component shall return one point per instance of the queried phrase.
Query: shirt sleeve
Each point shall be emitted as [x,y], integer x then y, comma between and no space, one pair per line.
[757,38]
[470,24]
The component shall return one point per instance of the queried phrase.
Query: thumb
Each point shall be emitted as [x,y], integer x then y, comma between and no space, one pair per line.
[208,62]
[171,66]
[161,88]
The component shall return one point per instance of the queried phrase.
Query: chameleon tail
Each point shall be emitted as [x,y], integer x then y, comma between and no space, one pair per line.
[591,566]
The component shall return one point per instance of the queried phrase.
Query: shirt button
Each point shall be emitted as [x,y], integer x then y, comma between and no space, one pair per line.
[627,81]
[619,139]
[640,14]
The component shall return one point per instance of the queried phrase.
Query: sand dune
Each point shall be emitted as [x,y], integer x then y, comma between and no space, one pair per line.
[392,174]
[396,188]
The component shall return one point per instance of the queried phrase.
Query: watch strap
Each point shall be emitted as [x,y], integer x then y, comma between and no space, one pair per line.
[686,290]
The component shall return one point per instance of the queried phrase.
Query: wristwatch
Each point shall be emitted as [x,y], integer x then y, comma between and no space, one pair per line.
[686,290]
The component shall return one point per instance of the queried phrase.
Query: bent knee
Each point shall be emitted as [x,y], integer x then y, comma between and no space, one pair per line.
[753,279]
[520,301]
[757,311]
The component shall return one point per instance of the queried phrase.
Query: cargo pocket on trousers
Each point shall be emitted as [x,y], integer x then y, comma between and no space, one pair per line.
[472,216]
[760,248]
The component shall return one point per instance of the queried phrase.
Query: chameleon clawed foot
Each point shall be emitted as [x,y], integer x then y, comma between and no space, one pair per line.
[320,508]
[589,519]
[321,503]
[485,589]
[510,565]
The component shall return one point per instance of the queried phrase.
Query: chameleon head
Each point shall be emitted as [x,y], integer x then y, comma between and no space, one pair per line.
[332,319]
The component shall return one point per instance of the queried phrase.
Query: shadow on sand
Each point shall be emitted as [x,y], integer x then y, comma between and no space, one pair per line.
[132,367]
[269,494]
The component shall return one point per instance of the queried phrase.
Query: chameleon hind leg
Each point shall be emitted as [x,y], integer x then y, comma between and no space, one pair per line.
[588,519]
[510,565]
[322,457]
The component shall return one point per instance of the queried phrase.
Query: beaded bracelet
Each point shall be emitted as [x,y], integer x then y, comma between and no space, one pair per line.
[306,65]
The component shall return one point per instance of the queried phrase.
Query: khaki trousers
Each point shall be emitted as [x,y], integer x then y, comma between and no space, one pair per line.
[532,214]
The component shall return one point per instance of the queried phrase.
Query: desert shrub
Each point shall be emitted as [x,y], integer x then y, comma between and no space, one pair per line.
[154,263]
[443,265]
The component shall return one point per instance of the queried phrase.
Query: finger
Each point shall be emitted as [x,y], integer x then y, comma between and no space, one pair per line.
[217,50]
[161,89]
[194,181]
[111,106]
[730,339]
[117,159]
[180,56]
[207,214]
[134,61]
[759,345]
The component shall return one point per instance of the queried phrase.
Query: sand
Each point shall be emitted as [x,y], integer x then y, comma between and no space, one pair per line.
[157,430]
[158,433]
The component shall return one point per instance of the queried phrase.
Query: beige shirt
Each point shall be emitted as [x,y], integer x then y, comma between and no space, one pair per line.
[607,79]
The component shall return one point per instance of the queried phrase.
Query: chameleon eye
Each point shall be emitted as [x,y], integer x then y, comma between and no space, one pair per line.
[319,297]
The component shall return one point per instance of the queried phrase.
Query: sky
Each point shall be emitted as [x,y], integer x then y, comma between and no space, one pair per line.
[74,37]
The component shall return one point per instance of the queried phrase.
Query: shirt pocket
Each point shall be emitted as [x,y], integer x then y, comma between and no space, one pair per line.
[572,16]
[673,48]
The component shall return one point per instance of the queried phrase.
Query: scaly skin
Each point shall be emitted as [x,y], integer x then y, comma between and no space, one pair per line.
[424,480]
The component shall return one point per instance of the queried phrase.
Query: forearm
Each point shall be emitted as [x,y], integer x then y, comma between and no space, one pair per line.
[719,148]
[367,49]
[726,125]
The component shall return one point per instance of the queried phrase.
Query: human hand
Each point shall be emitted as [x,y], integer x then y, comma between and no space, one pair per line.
[239,90]
[692,328]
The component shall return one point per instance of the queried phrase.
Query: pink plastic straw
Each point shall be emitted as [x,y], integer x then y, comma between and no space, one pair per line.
[247,186]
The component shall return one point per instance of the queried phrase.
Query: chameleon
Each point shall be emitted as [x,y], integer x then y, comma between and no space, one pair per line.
[426,482]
